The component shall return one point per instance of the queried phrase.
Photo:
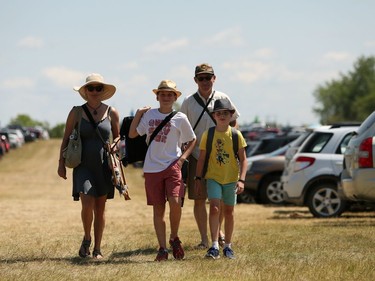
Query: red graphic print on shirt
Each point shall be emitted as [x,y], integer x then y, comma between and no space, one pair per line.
[162,135]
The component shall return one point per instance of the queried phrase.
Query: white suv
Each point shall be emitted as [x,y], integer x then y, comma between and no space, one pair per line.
[358,175]
[311,177]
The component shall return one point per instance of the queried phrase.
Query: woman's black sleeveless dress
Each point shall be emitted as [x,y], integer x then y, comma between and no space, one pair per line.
[89,177]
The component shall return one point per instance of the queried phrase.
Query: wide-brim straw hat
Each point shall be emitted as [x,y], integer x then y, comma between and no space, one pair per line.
[95,78]
[169,86]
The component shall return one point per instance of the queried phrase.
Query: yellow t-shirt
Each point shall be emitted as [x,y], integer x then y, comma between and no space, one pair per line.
[222,164]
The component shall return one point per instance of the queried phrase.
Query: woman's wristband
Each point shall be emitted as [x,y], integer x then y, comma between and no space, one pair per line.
[240,180]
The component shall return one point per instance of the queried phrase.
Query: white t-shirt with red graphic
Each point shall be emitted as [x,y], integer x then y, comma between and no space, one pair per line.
[166,146]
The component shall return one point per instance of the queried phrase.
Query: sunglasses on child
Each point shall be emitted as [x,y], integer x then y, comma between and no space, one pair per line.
[91,88]
[207,78]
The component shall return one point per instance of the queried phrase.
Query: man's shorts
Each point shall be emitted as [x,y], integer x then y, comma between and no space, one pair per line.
[225,192]
[167,183]
[191,182]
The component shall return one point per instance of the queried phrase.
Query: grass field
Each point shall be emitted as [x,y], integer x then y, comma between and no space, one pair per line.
[41,232]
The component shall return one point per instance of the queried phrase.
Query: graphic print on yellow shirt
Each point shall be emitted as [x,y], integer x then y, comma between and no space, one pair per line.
[222,157]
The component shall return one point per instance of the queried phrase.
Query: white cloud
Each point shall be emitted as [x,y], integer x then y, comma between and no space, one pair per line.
[248,71]
[63,76]
[18,83]
[338,56]
[264,53]
[129,66]
[227,37]
[253,71]
[30,42]
[166,45]
[370,44]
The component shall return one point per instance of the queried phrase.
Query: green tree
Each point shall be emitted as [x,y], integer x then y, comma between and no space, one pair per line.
[57,131]
[349,98]
[26,121]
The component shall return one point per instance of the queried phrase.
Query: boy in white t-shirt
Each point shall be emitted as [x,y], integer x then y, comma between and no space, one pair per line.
[163,162]
[225,176]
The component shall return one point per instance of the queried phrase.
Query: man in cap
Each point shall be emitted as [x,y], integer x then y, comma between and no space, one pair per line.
[197,108]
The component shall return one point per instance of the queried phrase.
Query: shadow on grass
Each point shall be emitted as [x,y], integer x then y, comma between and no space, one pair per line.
[348,219]
[113,258]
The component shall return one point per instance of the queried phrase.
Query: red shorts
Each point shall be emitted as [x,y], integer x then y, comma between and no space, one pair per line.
[167,183]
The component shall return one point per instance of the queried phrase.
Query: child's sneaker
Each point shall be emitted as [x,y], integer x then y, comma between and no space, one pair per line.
[162,255]
[178,251]
[228,252]
[213,253]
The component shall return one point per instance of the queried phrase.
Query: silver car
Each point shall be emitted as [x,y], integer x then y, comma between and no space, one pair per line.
[311,177]
[358,176]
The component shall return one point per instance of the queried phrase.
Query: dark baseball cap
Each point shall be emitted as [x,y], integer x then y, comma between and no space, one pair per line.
[204,68]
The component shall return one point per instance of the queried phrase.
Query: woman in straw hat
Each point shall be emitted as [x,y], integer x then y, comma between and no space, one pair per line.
[90,183]
[163,162]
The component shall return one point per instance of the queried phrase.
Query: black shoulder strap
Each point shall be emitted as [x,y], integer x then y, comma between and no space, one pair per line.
[200,102]
[235,140]
[210,137]
[93,122]
[161,125]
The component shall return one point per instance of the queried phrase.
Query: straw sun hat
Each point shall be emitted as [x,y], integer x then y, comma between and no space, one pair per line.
[169,86]
[95,78]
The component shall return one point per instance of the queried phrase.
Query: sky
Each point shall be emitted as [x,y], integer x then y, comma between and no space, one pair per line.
[268,56]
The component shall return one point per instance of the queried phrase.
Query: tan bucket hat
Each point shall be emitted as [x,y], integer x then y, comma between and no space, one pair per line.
[167,85]
[95,78]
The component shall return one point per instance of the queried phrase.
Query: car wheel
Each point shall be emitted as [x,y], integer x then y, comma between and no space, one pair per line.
[324,202]
[245,197]
[271,191]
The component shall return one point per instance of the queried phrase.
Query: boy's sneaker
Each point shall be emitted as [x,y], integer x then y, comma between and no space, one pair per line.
[178,251]
[162,255]
[213,253]
[228,252]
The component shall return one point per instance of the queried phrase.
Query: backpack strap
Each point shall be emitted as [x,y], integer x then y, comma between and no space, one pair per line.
[235,141]
[210,138]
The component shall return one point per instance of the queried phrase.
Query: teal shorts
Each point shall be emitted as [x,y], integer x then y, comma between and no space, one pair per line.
[225,192]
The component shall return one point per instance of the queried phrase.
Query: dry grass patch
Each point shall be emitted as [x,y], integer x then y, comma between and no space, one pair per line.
[41,233]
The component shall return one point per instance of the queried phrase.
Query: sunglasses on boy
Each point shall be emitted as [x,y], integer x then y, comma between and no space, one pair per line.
[91,88]
[207,78]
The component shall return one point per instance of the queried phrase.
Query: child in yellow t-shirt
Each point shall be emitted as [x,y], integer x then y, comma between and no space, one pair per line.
[225,175]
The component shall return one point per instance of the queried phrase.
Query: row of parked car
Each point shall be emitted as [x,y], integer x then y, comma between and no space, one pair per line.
[14,136]
[327,169]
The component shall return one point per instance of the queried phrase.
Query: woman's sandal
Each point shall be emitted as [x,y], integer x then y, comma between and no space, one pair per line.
[84,250]
[96,254]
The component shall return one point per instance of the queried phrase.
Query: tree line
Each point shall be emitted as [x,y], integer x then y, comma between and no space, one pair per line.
[351,97]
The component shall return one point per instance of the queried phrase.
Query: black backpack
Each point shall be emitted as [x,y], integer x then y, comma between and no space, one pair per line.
[135,148]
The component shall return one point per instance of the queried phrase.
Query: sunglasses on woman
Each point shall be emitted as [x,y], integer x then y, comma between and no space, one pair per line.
[91,88]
